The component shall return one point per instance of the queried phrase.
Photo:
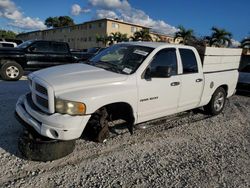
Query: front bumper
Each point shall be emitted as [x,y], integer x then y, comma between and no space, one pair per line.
[55,126]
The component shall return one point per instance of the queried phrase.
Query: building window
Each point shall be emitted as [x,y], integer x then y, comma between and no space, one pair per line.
[100,25]
[90,26]
[133,29]
[89,38]
[115,25]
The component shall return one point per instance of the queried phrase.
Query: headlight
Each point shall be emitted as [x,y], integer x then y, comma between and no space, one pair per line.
[70,107]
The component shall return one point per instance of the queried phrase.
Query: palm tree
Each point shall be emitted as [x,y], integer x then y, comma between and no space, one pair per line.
[245,43]
[220,37]
[103,39]
[118,37]
[142,35]
[184,34]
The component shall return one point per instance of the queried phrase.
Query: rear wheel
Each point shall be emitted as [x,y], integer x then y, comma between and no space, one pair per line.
[217,102]
[11,71]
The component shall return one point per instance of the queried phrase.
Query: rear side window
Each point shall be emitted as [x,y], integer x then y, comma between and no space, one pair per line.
[60,47]
[189,62]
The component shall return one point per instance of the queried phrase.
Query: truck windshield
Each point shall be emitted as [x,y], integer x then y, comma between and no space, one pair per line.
[121,58]
[24,44]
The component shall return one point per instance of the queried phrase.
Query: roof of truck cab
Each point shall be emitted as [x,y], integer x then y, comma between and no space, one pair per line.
[154,44]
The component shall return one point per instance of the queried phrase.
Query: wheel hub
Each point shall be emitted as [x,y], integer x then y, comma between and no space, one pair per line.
[12,72]
[219,101]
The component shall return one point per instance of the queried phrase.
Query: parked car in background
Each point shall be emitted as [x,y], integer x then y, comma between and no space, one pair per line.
[84,56]
[33,55]
[17,41]
[244,79]
[7,44]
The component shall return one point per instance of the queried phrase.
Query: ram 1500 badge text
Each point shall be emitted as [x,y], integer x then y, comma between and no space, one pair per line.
[134,81]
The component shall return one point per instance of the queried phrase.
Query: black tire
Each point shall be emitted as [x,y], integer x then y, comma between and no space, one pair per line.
[217,102]
[97,128]
[11,71]
[38,148]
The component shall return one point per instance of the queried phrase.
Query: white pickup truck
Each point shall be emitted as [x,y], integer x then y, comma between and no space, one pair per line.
[134,81]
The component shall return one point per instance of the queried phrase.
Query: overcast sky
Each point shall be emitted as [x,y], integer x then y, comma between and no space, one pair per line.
[162,15]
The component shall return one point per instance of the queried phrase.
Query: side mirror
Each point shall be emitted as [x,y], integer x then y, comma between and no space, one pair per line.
[147,74]
[163,72]
[31,49]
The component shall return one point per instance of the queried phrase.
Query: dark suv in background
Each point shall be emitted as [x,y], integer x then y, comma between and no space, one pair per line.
[33,55]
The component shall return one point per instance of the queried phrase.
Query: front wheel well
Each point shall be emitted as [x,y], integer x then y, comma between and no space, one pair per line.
[6,60]
[120,110]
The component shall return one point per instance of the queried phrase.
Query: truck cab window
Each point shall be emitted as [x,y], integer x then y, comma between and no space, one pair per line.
[164,58]
[59,47]
[40,47]
[189,62]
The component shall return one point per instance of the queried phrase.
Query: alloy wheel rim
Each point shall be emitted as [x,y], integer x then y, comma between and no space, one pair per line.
[219,101]
[12,72]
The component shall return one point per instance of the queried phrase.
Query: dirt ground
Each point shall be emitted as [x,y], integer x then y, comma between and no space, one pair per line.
[189,151]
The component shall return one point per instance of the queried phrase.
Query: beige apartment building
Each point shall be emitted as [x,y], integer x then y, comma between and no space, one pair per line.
[83,36]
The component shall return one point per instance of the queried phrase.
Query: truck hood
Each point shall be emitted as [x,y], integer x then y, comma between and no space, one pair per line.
[4,51]
[71,77]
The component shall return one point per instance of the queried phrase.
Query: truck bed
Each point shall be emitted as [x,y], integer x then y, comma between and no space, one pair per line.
[220,59]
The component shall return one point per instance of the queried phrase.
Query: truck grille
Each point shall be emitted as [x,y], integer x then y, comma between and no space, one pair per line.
[42,95]
[43,102]
[41,89]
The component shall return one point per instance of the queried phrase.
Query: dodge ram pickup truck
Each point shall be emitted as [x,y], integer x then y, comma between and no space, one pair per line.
[133,81]
[33,55]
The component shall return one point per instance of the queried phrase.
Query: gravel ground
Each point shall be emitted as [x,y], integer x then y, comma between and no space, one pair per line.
[191,151]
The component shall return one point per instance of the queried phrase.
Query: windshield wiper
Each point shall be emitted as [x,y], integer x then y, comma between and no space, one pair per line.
[112,67]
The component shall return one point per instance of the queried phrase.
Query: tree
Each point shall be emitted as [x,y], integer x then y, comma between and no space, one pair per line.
[142,35]
[219,37]
[60,21]
[118,37]
[245,43]
[112,38]
[103,39]
[7,34]
[184,34]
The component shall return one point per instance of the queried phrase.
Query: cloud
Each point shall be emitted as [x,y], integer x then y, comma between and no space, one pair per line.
[122,10]
[235,43]
[110,4]
[9,11]
[105,14]
[76,10]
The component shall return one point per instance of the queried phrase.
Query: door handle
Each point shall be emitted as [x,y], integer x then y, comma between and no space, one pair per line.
[199,80]
[175,83]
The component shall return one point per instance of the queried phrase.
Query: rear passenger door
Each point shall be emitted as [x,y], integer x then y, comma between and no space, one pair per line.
[60,53]
[191,80]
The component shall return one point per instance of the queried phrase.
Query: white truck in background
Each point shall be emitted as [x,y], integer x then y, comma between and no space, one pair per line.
[134,81]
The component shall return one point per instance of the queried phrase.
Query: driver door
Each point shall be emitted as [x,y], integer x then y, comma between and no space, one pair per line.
[38,55]
[158,96]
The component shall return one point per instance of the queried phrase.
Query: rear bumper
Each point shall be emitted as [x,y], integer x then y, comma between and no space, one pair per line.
[55,126]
